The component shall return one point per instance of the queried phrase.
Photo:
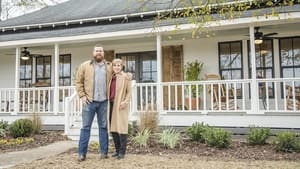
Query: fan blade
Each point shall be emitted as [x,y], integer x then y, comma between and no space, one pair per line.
[270,34]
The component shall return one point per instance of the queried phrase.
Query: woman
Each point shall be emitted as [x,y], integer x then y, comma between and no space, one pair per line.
[119,97]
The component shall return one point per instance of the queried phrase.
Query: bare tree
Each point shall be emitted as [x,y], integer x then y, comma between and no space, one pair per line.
[10,8]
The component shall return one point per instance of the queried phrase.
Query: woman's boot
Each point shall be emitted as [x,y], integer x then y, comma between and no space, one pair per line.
[123,143]
[116,140]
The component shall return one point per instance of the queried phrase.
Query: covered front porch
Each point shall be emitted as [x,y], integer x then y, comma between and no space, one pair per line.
[157,58]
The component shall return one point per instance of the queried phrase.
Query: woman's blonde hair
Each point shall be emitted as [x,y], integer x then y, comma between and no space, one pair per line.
[118,60]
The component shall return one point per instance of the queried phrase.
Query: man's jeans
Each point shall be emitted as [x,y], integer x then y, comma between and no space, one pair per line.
[88,113]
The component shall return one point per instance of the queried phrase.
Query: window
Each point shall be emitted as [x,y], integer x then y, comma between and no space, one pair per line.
[65,70]
[289,57]
[43,69]
[142,65]
[264,59]
[231,62]
[25,73]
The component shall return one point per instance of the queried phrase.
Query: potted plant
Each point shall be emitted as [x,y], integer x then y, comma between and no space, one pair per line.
[192,71]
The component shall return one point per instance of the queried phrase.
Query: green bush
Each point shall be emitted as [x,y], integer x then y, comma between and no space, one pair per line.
[258,136]
[219,138]
[2,133]
[3,128]
[21,128]
[298,144]
[169,138]
[286,142]
[142,138]
[198,131]
[3,124]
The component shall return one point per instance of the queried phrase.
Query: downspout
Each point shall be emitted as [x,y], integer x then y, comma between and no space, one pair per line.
[17,83]
[159,96]
[254,93]
[56,80]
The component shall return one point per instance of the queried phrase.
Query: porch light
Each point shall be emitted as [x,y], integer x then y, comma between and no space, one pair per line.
[25,57]
[258,41]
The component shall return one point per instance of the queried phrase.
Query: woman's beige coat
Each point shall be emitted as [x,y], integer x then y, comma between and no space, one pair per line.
[119,121]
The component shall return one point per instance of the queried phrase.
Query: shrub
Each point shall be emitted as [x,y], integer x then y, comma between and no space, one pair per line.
[258,136]
[198,131]
[142,138]
[94,146]
[3,128]
[219,138]
[21,128]
[298,144]
[36,123]
[286,142]
[2,132]
[3,124]
[148,120]
[169,138]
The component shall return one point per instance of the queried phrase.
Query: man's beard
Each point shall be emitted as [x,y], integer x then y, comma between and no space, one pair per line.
[98,59]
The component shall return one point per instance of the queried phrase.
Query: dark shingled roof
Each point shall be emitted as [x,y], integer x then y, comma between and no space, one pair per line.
[83,9]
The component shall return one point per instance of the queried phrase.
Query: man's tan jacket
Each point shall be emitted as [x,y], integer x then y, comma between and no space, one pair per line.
[85,78]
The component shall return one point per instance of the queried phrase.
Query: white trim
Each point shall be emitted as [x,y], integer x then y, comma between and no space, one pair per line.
[221,25]
[56,78]
[17,82]
[159,69]
[254,95]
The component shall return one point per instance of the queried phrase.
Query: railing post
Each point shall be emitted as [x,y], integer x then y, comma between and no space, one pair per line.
[67,116]
[254,91]
[133,104]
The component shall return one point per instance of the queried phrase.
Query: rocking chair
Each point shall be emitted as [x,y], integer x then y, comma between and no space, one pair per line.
[290,102]
[221,98]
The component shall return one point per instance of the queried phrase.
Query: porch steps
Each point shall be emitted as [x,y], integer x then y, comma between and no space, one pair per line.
[74,131]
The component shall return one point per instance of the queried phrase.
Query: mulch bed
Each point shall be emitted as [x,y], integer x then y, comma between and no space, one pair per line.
[239,149]
[41,139]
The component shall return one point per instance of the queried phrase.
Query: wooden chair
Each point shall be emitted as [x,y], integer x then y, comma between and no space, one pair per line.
[290,96]
[221,97]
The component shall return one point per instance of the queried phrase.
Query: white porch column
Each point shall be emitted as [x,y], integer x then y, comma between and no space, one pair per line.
[159,95]
[254,93]
[17,82]
[56,80]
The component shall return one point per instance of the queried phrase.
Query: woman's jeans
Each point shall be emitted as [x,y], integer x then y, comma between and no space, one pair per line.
[88,113]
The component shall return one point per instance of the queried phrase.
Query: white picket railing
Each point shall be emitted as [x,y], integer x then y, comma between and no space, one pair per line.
[274,95]
[29,100]
[177,96]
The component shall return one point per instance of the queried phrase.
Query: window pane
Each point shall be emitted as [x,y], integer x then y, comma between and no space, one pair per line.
[297,52]
[286,52]
[230,57]
[288,72]
[290,56]
[235,56]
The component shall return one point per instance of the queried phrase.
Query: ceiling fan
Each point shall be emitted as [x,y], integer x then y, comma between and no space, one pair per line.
[25,54]
[260,36]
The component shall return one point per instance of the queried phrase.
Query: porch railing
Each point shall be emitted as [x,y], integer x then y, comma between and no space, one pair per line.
[274,95]
[29,100]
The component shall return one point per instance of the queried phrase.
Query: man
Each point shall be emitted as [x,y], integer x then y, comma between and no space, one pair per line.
[92,79]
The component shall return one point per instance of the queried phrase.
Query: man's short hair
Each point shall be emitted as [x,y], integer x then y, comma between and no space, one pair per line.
[98,46]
